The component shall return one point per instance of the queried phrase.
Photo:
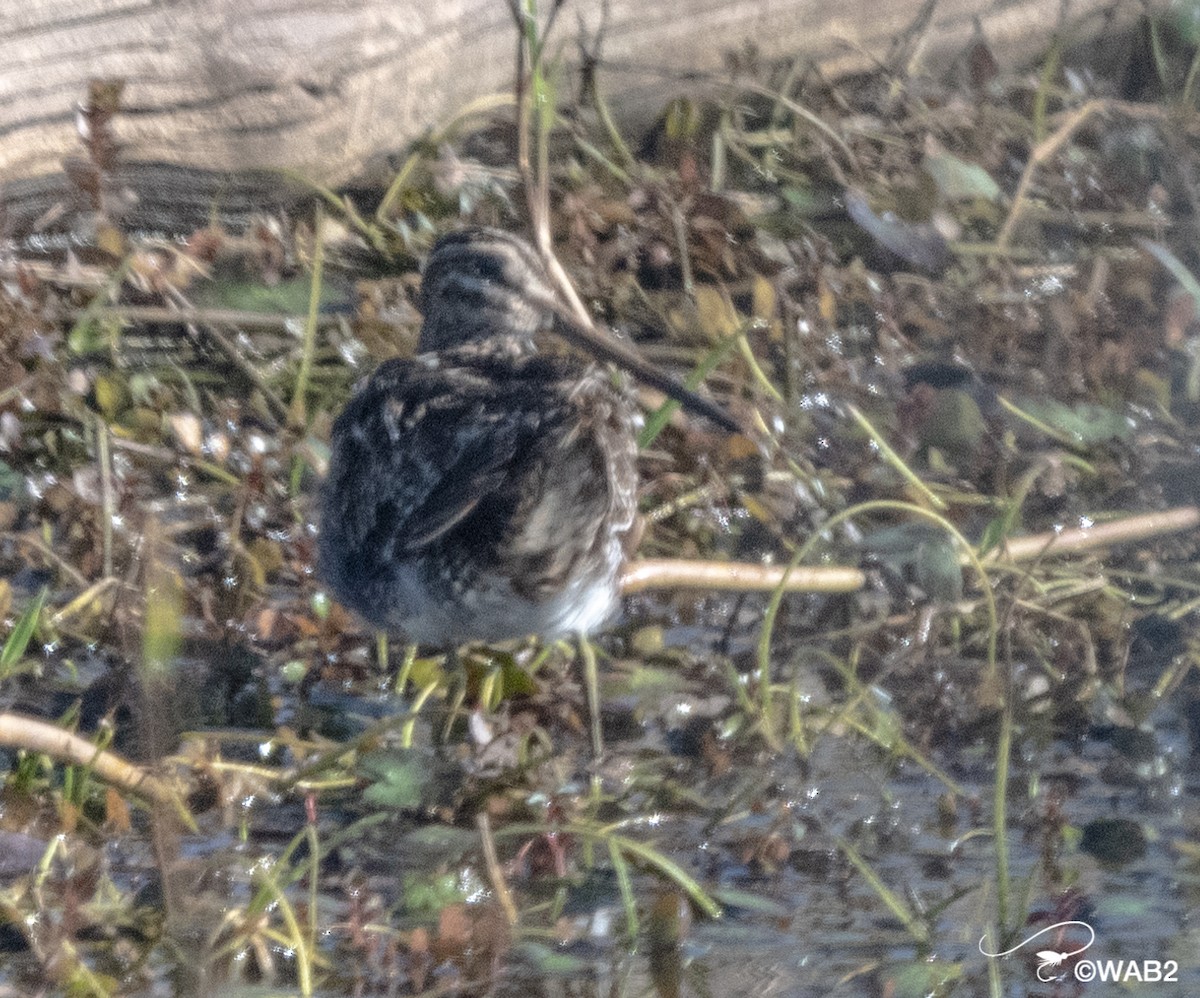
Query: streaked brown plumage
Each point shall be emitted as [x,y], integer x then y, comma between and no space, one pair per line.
[481,490]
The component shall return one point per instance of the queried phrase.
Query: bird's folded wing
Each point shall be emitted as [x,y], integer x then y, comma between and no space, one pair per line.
[436,443]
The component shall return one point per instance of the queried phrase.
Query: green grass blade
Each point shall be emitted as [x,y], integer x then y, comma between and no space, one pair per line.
[22,634]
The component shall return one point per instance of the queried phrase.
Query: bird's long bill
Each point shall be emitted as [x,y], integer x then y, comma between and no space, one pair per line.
[615,352]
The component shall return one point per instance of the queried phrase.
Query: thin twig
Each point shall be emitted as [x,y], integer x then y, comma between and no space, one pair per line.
[537,182]
[35,541]
[298,411]
[91,595]
[107,502]
[679,227]
[21,732]
[279,409]
[1127,530]
[679,573]
[172,457]
[801,111]
[1040,153]
[495,871]
[521,86]
[200,316]
[894,459]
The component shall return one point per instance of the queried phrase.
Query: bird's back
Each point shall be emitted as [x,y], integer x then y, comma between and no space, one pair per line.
[479,497]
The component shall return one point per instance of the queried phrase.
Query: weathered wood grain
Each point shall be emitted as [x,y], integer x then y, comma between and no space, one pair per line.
[322,87]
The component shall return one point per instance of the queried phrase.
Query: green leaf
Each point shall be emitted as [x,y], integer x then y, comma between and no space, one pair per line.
[444,839]
[954,424]
[994,533]
[90,335]
[423,892]
[936,569]
[290,297]
[399,777]
[926,979]
[18,640]
[552,961]
[750,903]
[1084,423]
[958,180]
[516,681]
[922,553]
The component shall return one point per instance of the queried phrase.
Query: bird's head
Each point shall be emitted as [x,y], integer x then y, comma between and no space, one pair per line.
[480,284]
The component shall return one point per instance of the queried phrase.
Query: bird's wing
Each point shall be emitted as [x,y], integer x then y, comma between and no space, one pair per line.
[464,467]
[417,450]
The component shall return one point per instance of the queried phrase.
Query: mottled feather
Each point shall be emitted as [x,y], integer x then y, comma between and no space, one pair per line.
[481,490]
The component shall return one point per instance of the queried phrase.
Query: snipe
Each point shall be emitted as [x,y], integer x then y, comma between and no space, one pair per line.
[481,490]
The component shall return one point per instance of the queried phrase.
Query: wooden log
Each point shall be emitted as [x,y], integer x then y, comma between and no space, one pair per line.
[229,87]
